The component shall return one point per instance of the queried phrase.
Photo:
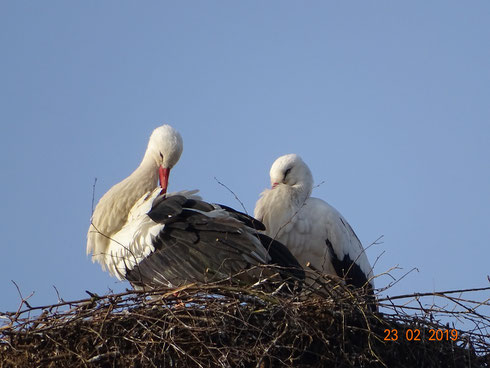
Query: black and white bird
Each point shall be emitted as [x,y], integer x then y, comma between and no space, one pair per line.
[314,231]
[140,233]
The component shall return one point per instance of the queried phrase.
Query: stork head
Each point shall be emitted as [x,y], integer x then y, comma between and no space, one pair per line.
[291,170]
[164,148]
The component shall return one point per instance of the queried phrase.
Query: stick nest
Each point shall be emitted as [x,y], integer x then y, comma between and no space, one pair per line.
[224,325]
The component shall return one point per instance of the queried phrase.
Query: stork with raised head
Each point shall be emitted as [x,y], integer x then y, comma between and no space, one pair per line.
[314,231]
[142,234]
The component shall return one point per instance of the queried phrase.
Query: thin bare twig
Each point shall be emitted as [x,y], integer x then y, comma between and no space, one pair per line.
[232,192]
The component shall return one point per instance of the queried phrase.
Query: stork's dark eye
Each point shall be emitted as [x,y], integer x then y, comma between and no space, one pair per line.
[161,156]
[287,172]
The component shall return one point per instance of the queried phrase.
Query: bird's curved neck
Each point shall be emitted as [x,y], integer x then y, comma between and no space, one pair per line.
[144,178]
[300,193]
[296,194]
[123,196]
[111,213]
[304,189]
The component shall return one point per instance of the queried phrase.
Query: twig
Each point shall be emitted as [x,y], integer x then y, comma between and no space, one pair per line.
[93,195]
[436,293]
[232,192]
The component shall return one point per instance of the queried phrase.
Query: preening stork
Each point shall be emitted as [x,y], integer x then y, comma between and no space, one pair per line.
[152,239]
[313,230]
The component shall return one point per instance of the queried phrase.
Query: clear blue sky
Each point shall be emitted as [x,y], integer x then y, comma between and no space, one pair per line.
[388,102]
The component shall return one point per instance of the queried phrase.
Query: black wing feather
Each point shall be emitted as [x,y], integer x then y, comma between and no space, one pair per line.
[349,270]
[194,247]
[243,217]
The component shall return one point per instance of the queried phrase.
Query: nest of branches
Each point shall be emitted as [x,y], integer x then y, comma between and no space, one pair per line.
[226,325]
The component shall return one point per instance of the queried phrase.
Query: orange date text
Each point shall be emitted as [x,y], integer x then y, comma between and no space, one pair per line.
[416,335]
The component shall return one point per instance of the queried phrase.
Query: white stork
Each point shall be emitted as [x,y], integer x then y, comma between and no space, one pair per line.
[153,239]
[313,230]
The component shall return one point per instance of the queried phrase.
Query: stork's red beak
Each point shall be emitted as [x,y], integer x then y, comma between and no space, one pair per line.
[164,173]
[274,185]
